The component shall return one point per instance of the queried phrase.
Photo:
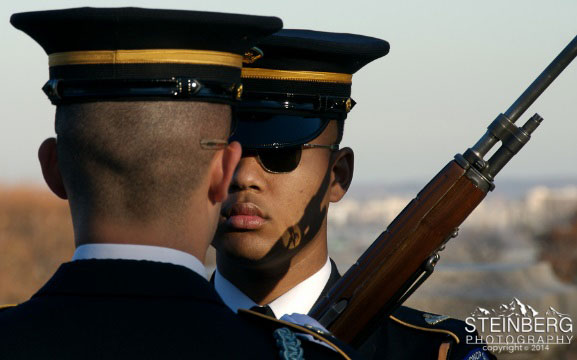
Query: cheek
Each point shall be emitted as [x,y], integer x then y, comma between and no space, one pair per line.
[312,171]
[290,195]
[293,195]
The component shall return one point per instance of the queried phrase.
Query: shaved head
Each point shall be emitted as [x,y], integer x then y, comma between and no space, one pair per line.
[136,160]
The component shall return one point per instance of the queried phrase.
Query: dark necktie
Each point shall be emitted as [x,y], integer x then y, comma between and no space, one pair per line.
[265,310]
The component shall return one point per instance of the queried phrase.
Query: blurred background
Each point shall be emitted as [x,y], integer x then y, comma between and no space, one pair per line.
[453,67]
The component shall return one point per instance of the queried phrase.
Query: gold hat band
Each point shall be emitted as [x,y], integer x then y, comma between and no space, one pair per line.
[288,75]
[155,56]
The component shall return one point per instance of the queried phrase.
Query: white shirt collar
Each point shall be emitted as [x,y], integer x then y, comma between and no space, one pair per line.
[139,252]
[300,299]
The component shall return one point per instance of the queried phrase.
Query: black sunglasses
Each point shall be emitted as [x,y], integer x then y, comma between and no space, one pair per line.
[284,159]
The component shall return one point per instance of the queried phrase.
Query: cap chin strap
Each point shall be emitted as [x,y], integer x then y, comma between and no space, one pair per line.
[298,104]
[61,91]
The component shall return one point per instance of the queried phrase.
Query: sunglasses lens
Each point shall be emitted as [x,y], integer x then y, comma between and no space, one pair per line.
[280,160]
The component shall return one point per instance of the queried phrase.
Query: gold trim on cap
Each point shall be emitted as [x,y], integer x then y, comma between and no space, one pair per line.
[155,56]
[289,75]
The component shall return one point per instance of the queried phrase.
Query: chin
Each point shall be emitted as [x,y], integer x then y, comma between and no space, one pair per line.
[242,247]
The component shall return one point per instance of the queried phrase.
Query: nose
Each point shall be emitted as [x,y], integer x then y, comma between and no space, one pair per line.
[249,175]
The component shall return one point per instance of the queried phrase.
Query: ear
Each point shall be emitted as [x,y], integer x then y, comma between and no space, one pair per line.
[48,157]
[226,161]
[341,173]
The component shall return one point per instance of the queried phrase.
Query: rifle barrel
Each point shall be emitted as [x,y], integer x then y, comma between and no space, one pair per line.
[543,81]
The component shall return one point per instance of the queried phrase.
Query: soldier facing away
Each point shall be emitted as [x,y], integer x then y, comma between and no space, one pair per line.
[141,153]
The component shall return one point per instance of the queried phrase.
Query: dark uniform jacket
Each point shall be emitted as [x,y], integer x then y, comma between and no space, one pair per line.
[127,309]
[413,334]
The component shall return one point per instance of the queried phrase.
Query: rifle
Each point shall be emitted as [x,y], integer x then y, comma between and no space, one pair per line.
[405,254]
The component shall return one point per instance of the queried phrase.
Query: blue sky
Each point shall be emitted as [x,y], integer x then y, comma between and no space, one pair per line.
[453,67]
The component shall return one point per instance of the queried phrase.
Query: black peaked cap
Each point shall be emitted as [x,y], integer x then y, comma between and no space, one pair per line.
[137,28]
[296,81]
[309,50]
[313,52]
[144,44]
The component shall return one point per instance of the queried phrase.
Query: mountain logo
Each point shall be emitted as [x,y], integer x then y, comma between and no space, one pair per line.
[515,308]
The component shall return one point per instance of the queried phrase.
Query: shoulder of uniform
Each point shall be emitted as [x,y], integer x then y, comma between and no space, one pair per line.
[459,348]
[429,322]
[280,327]
[7,306]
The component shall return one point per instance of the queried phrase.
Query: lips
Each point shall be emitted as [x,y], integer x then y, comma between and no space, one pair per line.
[244,216]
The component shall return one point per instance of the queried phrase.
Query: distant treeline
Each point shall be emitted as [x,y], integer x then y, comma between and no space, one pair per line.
[35,237]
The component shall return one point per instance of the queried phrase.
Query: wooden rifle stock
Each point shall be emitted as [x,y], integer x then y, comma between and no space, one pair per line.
[405,254]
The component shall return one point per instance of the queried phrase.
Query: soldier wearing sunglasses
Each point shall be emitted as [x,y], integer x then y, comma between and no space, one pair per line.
[272,238]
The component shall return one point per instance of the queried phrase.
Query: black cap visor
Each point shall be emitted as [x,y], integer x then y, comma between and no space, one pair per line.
[257,130]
